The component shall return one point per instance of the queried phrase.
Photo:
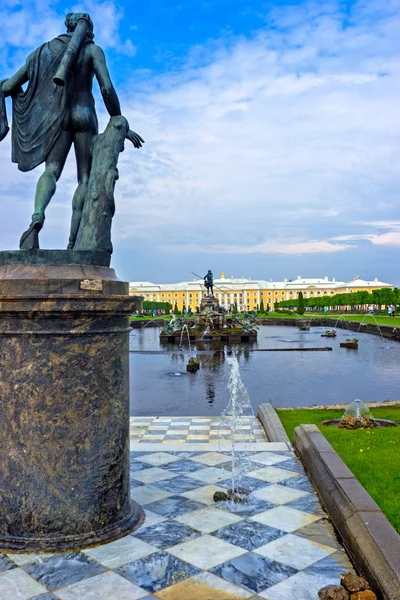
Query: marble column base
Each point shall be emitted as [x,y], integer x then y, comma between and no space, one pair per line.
[64,407]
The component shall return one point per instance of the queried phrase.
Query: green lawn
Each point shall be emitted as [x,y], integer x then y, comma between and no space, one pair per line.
[372,455]
[382,320]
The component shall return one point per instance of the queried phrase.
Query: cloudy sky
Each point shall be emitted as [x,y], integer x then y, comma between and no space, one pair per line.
[272,136]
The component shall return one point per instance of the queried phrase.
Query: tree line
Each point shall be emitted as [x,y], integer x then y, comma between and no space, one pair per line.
[356,300]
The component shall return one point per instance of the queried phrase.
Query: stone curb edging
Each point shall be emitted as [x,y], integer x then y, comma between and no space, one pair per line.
[271,423]
[367,535]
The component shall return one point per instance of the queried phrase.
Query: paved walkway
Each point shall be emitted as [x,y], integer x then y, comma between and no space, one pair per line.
[277,546]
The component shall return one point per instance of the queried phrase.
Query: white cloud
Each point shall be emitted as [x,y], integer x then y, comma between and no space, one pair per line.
[25,26]
[391,238]
[267,247]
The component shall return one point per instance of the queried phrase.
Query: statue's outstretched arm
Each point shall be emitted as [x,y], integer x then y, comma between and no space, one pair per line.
[13,84]
[108,92]
[106,87]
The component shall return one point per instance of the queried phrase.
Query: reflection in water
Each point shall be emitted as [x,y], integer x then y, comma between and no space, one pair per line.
[212,365]
[297,379]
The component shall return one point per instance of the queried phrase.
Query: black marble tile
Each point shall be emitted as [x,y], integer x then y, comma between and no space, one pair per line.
[135,454]
[138,466]
[250,507]
[179,427]
[332,566]
[45,597]
[60,570]
[167,534]
[198,431]
[175,436]
[157,571]
[253,572]
[300,482]
[248,534]
[249,483]
[178,485]
[174,506]
[308,504]
[6,564]
[321,532]
[245,465]
[291,465]
[134,483]
[156,432]
[183,466]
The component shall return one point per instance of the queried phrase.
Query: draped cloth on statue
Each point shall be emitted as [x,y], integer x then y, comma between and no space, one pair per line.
[39,111]
[4,128]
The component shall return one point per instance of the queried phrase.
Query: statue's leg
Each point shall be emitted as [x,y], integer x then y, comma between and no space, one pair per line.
[46,186]
[82,143]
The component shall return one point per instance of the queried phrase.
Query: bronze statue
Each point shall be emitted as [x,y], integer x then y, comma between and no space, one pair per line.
[209,283]
[57,110]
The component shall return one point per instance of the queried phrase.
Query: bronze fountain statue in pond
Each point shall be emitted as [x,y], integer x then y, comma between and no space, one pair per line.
[56,111]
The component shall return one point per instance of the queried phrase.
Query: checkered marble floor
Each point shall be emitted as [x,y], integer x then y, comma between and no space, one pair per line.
[194,429]
[278,545]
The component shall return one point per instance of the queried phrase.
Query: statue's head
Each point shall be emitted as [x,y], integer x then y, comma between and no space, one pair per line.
[71,21]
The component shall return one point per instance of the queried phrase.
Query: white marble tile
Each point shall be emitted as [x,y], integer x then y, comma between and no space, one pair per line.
[204,586]
[302,585]
[30,557]
[208,519]
[158,459]
[153,474]
[203,494]
[278,494]
[210,475]
[152,519]
[272,474]
[206,552]
[295,551]
[285,518]
[269,458]
[121,552]
[212,458]
[15,584]
[148,493]
[102,587]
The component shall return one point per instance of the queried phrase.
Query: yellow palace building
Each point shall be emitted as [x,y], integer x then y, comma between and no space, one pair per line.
[249,293]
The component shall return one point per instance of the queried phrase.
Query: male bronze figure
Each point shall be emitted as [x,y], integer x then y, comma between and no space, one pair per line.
[209,283]
[56,110]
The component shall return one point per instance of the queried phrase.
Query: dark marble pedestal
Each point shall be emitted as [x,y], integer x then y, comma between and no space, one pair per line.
[209,302]
[64,407]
